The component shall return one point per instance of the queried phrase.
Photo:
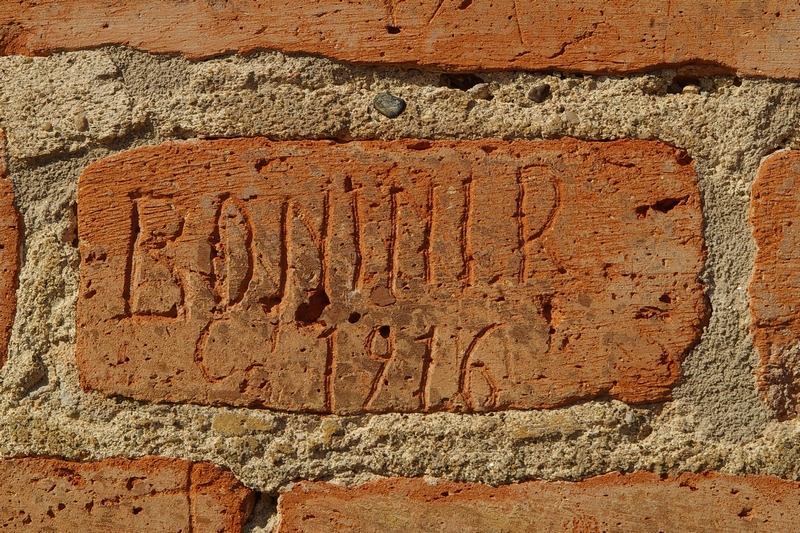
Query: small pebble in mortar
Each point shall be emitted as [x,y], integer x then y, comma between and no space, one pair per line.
[481,92]
[539,93]
[571,117]
[81,123]
[389,105]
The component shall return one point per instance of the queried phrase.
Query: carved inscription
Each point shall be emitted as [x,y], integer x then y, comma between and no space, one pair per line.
[389,276]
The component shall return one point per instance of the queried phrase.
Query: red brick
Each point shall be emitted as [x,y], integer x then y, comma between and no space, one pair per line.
[761,38]
[389,276]
[613,503]
[9,253]
[775,286]
[148,495]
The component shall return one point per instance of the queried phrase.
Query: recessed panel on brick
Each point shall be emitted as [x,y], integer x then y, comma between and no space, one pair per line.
[9,254]
[775,286]
[389,276]
[148,495]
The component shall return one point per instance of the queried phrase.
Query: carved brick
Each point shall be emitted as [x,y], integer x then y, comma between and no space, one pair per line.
[147,495]
[600,36]
[775,286]
[389,276]
[640,502]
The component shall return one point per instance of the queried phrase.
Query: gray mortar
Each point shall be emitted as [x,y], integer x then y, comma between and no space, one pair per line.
[131,99]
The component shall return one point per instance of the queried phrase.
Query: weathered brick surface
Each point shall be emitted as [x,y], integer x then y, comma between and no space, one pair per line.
[389,276]
[9,253]
[775,287]
[760,38]
[146,495]
[639,502]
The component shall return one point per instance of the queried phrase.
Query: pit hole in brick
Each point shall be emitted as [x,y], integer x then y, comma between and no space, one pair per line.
[137,510]
[310,311]
[462,82]
[92,257]
[649,312]
[394,30]
[665,298]
[662,206]
[268,303]
[464,4]
[384,331]
[744,513]
[668,204]
[262,164]
[354,317]
[420,145]
[547,314]
[684,158]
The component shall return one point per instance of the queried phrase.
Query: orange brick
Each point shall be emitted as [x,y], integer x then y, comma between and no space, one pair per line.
[639,502]
[601,36]
[389,276]
[9,254]
[148,495]
[775,286]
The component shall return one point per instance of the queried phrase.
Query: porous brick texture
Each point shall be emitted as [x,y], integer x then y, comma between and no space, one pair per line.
[9,253]
[148,495]
[390,276]
[635,503]
[600,36]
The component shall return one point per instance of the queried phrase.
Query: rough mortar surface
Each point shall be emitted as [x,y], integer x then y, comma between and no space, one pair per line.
[131,99]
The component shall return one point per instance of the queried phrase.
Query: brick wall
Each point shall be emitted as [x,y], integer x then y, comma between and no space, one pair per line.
[399,266]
